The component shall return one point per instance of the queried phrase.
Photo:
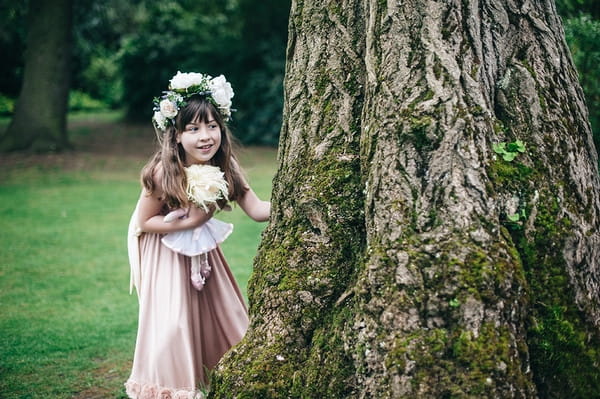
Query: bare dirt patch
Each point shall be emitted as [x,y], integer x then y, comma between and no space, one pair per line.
[113,377]
[96,146]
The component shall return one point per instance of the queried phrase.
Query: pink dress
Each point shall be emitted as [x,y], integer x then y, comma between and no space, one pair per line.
[182,332]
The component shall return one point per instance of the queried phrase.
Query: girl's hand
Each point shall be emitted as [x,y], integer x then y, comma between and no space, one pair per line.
[152,221]
[176,214]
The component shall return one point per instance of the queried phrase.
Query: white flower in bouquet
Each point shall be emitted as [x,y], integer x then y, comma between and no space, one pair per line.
[206,185]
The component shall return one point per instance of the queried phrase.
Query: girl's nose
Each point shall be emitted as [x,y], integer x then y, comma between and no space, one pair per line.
[203,134]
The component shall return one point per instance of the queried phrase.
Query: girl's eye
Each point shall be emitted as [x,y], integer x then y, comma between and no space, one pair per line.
[192,129]
[213,126]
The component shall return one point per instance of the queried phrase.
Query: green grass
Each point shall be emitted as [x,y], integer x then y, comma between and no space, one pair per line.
[68,323]
[80,116]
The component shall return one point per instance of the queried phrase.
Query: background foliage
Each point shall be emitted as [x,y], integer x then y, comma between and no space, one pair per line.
[583,35]
[125,52]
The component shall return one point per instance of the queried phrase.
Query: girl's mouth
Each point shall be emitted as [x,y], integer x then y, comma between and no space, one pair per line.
[205,147]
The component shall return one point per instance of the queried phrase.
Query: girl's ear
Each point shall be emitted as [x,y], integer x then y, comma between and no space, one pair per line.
[178,138]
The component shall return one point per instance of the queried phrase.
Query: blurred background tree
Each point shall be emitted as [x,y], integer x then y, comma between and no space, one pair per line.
[40,114]
[125,52]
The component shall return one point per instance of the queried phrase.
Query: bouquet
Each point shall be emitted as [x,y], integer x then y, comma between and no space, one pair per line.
[206,185]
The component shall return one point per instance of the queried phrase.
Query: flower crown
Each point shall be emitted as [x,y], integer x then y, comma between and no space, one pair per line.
[184,85]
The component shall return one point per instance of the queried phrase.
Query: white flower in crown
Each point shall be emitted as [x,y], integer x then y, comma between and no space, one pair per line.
[183,81]
[221,91]
[184,85]
[159,120]
[168,108]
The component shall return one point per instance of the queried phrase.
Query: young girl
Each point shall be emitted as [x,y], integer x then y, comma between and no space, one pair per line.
[185,328]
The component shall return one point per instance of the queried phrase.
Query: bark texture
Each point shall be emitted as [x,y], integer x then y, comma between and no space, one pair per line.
[39,123]
[404,257]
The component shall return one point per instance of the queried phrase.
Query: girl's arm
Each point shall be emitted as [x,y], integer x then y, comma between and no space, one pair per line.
[254,207]
[151,220]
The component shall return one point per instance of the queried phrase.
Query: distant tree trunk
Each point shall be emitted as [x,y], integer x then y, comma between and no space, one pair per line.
[407,255]
[39,122]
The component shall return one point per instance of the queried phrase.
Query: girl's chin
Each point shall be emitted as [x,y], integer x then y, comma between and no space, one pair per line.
[201,159]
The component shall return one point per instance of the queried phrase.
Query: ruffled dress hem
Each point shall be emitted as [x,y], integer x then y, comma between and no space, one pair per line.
[136,390]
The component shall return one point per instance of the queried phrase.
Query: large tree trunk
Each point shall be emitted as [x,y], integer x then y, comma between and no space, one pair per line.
[405,257]
[39,122]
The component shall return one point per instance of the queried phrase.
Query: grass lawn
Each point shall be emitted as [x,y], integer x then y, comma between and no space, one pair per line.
[68,323]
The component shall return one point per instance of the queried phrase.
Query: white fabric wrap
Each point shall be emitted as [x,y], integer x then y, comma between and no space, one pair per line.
[199,240]
[133,249]
[192,242]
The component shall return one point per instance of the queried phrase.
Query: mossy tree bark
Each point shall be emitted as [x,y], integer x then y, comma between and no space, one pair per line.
[39,122]
[404,256]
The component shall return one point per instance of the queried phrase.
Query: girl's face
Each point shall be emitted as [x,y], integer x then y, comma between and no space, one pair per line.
[200,140]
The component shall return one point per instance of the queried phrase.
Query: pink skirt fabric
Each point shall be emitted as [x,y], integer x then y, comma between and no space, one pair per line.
[182,332]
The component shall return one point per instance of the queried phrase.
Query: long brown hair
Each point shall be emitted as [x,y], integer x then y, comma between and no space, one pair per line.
[170,157]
